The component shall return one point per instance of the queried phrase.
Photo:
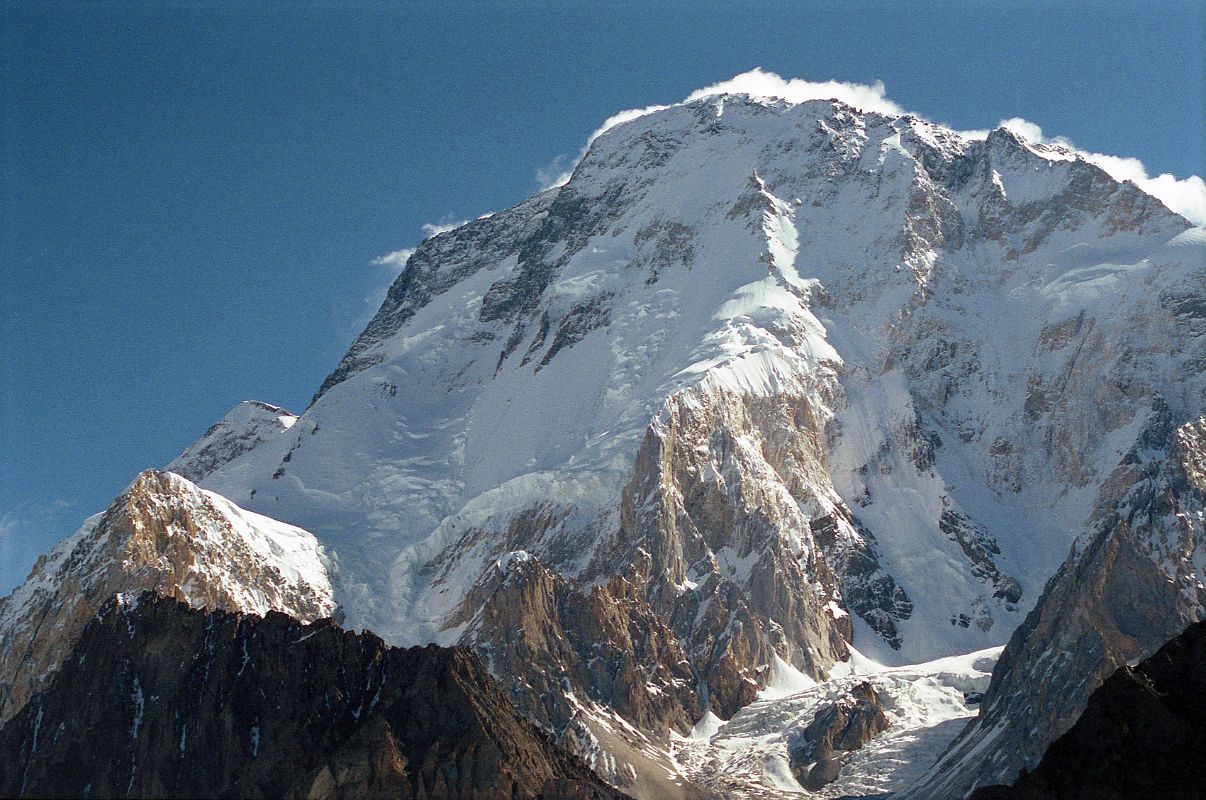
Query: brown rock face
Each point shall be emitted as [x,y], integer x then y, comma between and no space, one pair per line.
[716,501]
[841,727]
[1143,734]
[714,573]
[606,644]
[161,700]
[165,534]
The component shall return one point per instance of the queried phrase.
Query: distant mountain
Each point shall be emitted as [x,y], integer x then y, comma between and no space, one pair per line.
[248,424]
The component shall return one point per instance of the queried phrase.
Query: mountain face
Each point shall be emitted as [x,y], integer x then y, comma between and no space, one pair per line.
[159,700]
[768,389]
[781,377]
[162,533]
[1142,735]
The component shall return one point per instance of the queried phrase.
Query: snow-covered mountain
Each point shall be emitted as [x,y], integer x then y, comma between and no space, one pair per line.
[766,389]
[164,534]
[761,381]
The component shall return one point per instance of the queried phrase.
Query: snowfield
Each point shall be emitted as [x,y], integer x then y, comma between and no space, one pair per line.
[927,705]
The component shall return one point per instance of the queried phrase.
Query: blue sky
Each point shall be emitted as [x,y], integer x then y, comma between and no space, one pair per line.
[194,195]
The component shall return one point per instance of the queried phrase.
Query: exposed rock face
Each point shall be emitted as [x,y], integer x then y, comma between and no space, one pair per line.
[1136,582]
[840,727]
[162,533]
[245,426]
[715,576]
[1142,734]
[161,700]
[606,647]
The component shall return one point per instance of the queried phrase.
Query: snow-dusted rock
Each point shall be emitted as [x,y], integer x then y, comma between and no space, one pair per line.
[757,753]
[248,424]
[165,534]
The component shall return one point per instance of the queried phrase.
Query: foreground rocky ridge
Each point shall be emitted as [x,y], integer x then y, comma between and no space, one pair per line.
[162,533]
[161,700]
[1142,734]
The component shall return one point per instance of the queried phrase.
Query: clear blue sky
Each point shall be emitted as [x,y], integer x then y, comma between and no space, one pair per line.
[193,194]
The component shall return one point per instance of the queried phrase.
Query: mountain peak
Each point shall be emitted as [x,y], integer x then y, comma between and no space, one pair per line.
[245,426]
[166,534]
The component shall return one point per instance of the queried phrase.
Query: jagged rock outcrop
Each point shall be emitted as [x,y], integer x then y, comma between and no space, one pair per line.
[162,533]
[160,700]
[1142,735]
[1134,584]
[245,426]
[840,727]
[607,647]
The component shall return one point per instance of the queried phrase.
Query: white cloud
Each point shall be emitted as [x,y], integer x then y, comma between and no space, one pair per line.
[762,84]
[436,228]
[1186,196]
[395,260]
[556,173]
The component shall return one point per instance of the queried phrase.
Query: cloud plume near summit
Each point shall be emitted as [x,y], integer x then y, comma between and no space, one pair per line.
[1186,196]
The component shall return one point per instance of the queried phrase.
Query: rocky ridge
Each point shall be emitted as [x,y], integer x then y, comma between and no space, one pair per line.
[158,699]
[1126,590]
[1142,734]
